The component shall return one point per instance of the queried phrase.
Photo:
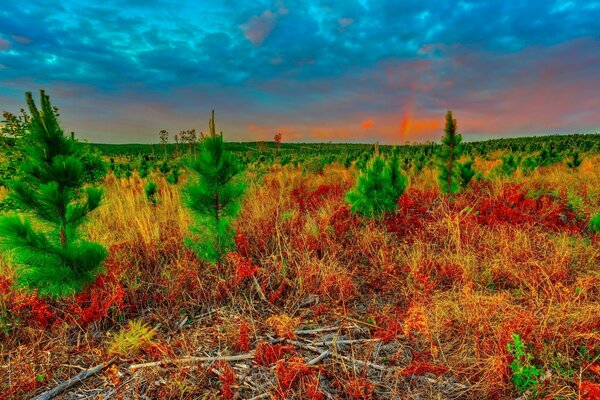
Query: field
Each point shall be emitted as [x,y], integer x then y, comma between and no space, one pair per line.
[492,292]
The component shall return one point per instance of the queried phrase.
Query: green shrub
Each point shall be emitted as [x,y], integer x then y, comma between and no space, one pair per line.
[524,374]
[595,223]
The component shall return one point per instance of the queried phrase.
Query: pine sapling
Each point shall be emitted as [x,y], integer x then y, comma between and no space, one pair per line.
[575,161]
[377,187]
[466,173]
[214,197]
[151,189]
[447,157]
[48,252]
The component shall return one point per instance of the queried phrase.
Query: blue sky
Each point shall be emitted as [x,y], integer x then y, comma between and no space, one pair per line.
[387,71]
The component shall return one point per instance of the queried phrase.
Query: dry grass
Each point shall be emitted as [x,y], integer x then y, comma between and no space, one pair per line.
[456,290]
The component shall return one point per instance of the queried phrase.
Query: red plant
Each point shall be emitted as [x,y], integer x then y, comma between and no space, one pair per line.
[290,372]
[275,295]
[389,327]
[267,353]
[589,390]
[243,267]
[39,311]
[308,200]
[343,221]
[95,302]
[359,388]
[413,211]
[421,367]
[244,337]
[242,245]
[227,378]
[516,207]
[310,388]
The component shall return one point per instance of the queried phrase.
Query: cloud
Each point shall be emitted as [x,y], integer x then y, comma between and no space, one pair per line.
[259,27]
[319,69]
[367,124]
[4,44]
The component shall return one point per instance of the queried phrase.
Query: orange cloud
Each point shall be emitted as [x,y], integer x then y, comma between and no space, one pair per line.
[368,124]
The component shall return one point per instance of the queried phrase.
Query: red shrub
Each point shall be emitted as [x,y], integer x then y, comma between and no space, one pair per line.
[589,390]
[267,353]
[343,221]
[290,372]
[515,207]
[227,378]
[389,326]
[244,337]
[359,388]
[243,267]
[414,210]
[242,245]
[310,388]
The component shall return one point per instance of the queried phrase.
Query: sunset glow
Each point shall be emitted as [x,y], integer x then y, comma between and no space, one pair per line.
[329,70]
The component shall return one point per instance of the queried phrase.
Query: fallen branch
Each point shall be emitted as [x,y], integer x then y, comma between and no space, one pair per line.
[73,381]
[192,360]
[320,357]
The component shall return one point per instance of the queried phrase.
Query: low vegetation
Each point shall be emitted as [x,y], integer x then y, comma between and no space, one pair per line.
[207,269]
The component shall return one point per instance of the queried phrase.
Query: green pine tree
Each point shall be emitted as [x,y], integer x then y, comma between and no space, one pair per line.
[214,198]
[466,173]
[575,160]
[48,252]
[447,157]
[378,187]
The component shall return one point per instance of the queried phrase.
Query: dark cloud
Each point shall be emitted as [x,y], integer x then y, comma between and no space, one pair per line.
[315,70]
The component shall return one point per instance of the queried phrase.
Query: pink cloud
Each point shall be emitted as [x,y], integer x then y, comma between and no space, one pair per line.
[21,39]
[258,27]
[4,44]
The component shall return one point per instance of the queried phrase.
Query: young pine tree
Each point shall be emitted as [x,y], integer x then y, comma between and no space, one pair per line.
[466,173]
[214,197]
[447,157]
[377,187]
[48,252]
[575,160]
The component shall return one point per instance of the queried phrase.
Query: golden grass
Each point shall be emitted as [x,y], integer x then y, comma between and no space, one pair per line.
[505,279]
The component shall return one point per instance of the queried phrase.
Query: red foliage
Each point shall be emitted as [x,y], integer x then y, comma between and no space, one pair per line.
[273,297]
[243,343]
[413,211]
[267,353]
[242,245]
[515,207]
[389,327]
[290,372]
[589,390]
[343,221]
[95,302]
[359,388]
[310,388]
[26,306]
[227,378]
[421,367]
[310,200]
[243,267]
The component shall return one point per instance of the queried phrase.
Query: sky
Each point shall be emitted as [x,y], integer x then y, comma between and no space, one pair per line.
[323,70]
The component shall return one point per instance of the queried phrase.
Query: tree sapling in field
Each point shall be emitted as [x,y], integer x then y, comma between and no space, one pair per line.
[48,252]
[447,157]
[213,197]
